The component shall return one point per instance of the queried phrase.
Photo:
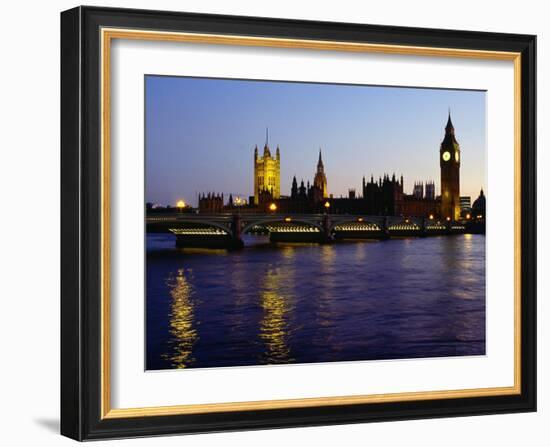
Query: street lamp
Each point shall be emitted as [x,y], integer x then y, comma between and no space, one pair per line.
[273,207]
[448,219]
[468,216]
[431,217]
[180,205]
[327,205]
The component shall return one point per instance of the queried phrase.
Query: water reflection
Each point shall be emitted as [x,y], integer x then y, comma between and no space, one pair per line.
[402,298]
[324,314]
[274,325]
[181,321]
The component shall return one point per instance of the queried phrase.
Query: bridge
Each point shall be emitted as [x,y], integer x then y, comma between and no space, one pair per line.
[226,230]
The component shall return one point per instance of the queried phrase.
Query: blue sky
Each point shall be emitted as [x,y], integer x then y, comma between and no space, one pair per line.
[201,133]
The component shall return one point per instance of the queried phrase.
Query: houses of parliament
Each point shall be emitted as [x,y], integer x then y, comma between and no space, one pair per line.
[382,196]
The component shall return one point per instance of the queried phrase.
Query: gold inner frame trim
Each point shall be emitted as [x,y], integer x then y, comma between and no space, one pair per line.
[107,35]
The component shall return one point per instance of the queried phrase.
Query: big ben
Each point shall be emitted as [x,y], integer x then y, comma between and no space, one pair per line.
[449,161]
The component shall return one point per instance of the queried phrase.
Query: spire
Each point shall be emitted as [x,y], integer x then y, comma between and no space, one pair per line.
[294,188]
[267,152]
[449,128]
[320,167]
[449,140]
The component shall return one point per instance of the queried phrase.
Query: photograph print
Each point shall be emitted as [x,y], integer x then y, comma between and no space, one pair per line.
[296,222]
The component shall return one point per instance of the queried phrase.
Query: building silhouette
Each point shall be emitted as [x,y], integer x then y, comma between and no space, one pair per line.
[465,203]
[418,190]
[267,172]
[320,179]
[383,196]
[211,203]
[449,161]
[294,189]
[430,190]
[478,207]
[418,206]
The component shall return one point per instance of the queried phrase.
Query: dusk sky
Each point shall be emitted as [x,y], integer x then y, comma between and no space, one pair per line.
[201,133]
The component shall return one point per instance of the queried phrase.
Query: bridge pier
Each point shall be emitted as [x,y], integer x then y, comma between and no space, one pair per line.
[385,228]
[327,230]
[236,226]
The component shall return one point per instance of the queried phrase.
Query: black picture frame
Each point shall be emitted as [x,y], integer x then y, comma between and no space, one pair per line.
[81,223]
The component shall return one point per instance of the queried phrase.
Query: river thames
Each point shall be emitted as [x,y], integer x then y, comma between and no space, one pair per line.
[303,303]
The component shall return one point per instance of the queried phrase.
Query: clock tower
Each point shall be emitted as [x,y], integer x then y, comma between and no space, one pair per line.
[449,161]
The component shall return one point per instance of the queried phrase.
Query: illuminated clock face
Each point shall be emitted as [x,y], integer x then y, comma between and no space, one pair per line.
[446,156]
[457,156]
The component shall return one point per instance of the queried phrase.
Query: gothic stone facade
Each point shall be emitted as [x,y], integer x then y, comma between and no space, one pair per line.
[267,173]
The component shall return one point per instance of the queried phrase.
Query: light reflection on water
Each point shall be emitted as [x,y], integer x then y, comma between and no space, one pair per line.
[182,327]
[303,303]
[274,324]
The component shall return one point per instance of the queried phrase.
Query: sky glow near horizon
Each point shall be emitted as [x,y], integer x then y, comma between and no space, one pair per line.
[201,133]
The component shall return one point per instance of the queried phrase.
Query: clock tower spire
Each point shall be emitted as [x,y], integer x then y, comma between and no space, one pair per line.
[320,180]
[449,161]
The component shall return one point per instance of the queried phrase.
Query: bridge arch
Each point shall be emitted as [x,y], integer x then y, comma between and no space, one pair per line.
[355,221]
[281,219]
[405,224]
[204,223]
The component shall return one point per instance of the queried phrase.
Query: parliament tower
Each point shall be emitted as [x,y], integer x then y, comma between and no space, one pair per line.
[320,180]
[267,172]
[449,161]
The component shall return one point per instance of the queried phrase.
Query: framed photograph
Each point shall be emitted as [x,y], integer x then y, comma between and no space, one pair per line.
[277,223]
